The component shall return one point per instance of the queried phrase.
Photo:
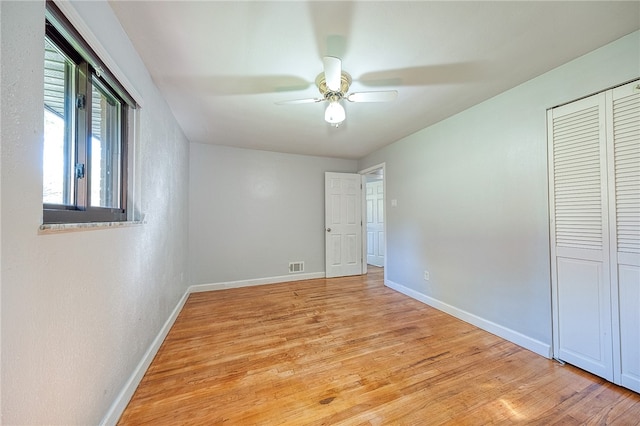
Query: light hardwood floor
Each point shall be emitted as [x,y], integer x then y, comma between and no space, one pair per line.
[351,351]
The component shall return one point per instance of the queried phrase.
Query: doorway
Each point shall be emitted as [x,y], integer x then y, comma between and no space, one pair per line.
[373,209]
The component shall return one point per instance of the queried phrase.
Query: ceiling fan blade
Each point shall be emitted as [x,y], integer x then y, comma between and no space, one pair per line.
[382,96]
[300,101]
[332,72]
[331,24]
[456,72]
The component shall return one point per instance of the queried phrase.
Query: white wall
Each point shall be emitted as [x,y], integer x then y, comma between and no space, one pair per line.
[253,212]
[471,197]
[80,309]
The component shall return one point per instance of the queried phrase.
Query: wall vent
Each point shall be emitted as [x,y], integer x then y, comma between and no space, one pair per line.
[296,267]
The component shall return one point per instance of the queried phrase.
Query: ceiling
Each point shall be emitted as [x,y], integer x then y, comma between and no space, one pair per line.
[223,65]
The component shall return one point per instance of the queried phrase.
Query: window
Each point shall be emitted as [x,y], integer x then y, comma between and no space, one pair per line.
[86,115]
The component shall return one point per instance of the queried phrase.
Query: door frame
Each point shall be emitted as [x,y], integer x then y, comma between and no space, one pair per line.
[364,173]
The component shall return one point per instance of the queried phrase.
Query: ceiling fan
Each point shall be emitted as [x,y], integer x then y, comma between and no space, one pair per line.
[333,85]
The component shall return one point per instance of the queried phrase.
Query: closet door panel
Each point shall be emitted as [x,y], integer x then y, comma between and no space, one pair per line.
[626,143]
[626,149]
[629,285]
[580,235]
[583,300]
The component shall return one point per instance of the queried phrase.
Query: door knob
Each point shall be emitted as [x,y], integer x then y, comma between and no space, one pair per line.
[328,229]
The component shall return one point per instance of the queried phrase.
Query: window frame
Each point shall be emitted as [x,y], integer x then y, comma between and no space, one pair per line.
[61,33]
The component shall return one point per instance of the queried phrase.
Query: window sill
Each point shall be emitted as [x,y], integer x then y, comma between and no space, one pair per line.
[55,228]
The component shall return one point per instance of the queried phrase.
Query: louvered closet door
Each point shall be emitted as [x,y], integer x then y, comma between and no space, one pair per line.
[625,133]
[580,235]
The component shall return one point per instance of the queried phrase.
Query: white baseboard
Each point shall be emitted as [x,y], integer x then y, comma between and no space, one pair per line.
[258,281]
[513,336]
[123,398]
[117,408]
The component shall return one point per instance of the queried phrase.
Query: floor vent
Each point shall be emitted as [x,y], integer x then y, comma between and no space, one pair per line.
[296,267]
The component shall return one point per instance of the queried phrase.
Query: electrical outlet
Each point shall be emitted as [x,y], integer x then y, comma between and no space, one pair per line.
[426,275]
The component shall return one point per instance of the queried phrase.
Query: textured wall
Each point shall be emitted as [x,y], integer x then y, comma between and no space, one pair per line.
[253,212]
[80,309]
[472,194]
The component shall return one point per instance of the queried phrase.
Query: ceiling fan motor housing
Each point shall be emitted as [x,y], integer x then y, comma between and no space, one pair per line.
[345,82]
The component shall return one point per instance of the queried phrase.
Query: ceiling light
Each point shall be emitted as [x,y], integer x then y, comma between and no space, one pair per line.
[334,114]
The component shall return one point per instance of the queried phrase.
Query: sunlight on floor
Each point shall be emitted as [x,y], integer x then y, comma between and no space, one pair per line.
[514,412]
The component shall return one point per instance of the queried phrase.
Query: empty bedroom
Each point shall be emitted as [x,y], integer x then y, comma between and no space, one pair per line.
[319,212]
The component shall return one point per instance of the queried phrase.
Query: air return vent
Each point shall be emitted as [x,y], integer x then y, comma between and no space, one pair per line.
[296,267]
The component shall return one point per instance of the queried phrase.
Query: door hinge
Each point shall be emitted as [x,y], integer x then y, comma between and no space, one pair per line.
[81,101]
[79,171]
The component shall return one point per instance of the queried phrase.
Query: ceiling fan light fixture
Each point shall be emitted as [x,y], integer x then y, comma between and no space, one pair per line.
[335,113]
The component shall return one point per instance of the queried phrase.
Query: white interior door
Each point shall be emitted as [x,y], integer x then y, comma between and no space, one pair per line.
[580,235]
[343,224]
[375,222]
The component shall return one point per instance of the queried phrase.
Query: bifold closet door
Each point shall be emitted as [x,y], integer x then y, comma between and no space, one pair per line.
[580,235]
[624,161]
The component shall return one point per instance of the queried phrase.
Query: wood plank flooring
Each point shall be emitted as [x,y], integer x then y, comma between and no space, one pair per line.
[351,351]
